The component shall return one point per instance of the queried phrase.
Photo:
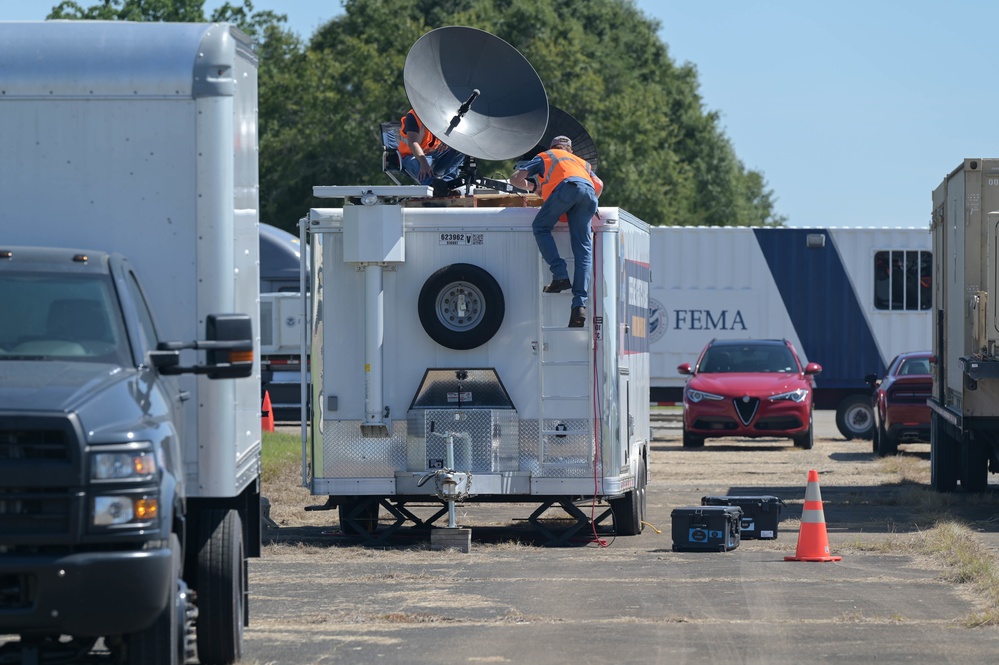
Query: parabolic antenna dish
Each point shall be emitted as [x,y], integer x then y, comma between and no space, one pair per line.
[561,123]
[476,92]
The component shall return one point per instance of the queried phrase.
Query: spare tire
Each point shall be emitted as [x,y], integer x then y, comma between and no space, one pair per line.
[461,306]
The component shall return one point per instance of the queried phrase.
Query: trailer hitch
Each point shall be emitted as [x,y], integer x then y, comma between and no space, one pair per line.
[452,486]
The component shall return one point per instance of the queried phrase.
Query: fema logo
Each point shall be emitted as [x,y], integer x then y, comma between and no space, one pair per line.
[657,320]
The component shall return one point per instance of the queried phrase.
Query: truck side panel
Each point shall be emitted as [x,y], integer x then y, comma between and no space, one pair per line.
[142,163]
[815,287]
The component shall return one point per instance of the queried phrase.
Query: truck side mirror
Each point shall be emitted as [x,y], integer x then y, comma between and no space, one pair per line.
[230,348]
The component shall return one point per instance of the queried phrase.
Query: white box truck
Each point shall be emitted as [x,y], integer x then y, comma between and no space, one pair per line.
[129,399]
[850,299]
[440,370]
[964,425]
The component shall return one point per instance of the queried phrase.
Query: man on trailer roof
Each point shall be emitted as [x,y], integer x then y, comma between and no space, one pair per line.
[568,186]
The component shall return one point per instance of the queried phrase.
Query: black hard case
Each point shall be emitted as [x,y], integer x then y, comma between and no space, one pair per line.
[760,514]
[706,528]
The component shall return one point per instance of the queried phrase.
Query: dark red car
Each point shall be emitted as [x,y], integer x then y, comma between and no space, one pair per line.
[899,401]
[748,388]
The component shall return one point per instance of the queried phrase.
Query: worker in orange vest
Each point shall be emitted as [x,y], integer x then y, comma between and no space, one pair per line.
[424,157]
[568,186]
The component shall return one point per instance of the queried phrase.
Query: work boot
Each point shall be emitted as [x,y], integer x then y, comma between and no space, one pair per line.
[558,286]
[578,317]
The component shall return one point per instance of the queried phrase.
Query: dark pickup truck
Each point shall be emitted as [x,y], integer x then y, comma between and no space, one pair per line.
[95,526]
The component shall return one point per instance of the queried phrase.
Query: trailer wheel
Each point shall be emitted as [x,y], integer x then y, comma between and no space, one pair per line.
[163,642]
[855,417]
[220,585]
[358,515]
[629,510]
[461,306]
[943,457]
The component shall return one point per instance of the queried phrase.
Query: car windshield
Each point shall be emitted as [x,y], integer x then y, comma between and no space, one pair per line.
[60,315]
[748,358]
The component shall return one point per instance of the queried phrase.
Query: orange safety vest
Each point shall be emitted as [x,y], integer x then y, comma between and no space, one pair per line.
[559,165]
[427,141]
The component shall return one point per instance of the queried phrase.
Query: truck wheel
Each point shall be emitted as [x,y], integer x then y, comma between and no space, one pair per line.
[692,440]
[855,417]
[943,457]
[358,515]
[163,642]
[974,465]
[887,444]
[461,306]
[629,510]
[220,585]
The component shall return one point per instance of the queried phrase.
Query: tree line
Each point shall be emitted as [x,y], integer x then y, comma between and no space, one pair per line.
[663,156]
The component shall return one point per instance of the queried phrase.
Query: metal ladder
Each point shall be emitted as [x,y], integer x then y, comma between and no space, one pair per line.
[565,378]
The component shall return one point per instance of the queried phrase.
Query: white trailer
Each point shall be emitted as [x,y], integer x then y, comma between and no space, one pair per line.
[849,299]
[436,357]
[141,139]
[964,425]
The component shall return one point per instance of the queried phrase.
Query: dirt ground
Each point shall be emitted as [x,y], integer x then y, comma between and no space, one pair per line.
[318,596]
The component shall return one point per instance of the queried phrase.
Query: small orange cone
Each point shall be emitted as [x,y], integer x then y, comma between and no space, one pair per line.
[813,542]
[267,414]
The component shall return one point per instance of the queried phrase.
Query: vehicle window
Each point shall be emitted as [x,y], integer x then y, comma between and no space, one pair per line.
[150,338]
[902,279]
[61,315]
[749,358]
[915,366]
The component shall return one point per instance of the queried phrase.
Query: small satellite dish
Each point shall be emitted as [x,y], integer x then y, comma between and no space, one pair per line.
[476,92]
[561,123]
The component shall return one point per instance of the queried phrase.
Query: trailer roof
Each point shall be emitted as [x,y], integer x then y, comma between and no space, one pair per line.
[118,58]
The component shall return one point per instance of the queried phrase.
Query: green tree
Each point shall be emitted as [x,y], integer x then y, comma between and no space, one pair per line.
[663,156]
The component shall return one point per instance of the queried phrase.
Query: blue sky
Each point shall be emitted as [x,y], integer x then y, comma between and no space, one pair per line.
[853,110]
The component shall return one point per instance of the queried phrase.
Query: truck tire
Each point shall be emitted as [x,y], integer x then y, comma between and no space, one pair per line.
[220,585]
[163,642]
[629,510]
[943,457]
[475,320]
[974,465]
[855,417]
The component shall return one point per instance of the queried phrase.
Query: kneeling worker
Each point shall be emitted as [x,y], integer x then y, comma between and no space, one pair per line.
[425,157]
[568,186]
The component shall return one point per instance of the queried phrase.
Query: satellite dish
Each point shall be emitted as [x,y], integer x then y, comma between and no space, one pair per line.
[476,93]
[561,123]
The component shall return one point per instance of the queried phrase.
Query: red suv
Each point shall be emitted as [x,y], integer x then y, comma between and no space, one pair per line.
[748,388]
[899,401]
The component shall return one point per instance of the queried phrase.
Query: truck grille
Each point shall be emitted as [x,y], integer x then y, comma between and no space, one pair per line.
[40,465]
[28,444]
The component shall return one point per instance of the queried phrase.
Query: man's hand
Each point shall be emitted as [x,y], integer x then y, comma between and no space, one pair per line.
[519,180]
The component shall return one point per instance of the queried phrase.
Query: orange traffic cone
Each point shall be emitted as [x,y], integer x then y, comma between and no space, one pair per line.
[813,542]
[267,414]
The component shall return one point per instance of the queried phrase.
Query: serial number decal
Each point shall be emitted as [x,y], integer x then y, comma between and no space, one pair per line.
[462,239]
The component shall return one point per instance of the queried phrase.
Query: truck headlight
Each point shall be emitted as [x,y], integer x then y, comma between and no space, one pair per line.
[122,509]
[123,465]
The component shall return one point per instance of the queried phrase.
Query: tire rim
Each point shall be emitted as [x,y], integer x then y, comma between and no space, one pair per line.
[460,306]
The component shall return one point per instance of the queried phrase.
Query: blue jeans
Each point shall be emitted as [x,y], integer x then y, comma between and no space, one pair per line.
[578,201]
[444,163]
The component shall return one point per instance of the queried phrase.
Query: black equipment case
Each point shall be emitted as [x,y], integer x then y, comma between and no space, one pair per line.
[760,514]
[706,528]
